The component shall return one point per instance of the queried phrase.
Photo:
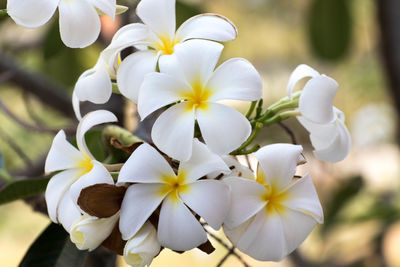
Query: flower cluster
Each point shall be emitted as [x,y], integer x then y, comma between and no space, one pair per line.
[169,191]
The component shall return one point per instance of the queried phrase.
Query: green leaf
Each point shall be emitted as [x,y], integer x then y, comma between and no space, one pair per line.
[330,28]
[22,189]
[53,248]
[95,144]
[339,199]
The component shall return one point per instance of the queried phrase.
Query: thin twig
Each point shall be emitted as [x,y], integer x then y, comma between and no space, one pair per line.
[289,132]
[14,146]
[5,76]
[31,110]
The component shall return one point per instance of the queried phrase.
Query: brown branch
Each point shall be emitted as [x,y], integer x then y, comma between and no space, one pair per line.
[48,92]
[289,132]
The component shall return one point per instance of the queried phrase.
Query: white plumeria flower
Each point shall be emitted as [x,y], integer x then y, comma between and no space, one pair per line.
[79,19]
[155,39]
[141,249]
[89,232]
[79,169]
[324,122]
[156,182]
[237,169]
[273,214]
[188,77]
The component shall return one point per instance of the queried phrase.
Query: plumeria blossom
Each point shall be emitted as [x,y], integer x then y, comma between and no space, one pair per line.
[323,121]
[89,232]
[78,167]
[155,182]
[271,215]
[79,19]
[189,78]
[155,38]
[141,249]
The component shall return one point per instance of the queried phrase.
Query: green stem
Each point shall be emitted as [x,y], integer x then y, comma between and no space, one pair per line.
[253,135]
[251,109]
[280,117]
[259,108]
[251,150]
[123,135]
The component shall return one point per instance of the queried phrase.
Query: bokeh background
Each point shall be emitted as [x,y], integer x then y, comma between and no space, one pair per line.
[357,42]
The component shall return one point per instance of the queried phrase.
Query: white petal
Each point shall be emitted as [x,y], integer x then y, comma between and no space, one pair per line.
[89,232]
[132,71]
[159,15]
[129,35]
[79,23]
[245,200]
[56,188]
[157,91]
[208,26]
[235,79]
[145,165]
[202,162]
[90,120]
[209,199]
[139,203]
[31,13]
[143,247]
[178,229]
[173,132]
[297,226]
[98,175]
[339,148]
[94,85]
[68,212]
[235,167]
[316,100]
[264,239]
[76,106]
[302,71]
[62,154]
[303,198]
[224,129]
[197,59]
[107,6]
[278,162]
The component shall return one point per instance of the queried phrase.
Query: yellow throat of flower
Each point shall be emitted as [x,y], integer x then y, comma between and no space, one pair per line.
[166,45]
[198,97]
[174,185]
[85,164]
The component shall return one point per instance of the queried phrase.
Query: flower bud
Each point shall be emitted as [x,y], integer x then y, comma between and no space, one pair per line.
[143,247]
[89,232]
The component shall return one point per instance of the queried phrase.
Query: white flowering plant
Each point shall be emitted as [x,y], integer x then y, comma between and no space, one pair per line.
[169,192]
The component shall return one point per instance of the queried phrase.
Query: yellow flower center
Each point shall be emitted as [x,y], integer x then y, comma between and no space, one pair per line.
[197,98]
[166,44]
[85,164]
[174,185]
[273,196]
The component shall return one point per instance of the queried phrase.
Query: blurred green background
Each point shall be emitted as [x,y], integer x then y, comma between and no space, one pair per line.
[341,38]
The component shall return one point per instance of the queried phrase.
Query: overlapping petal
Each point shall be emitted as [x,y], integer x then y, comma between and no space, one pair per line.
[302,71]
[278,162]
[246,200]
[79,23]
[176,220]
[62,154]
[207,26]
[58,185]
[97,175]
[132,71]
[68,212]
[106,6]
[223,128]
[173,132]
[31,13]
[316,100]
[235,79]
[213,208]
[159,15]
[145,165]
[159,90]
[202,162]
[139,203]
[88,121]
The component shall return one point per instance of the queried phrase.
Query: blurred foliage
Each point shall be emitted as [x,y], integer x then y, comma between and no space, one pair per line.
[185,11]
[53,248]
[330,28]
[22,189]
